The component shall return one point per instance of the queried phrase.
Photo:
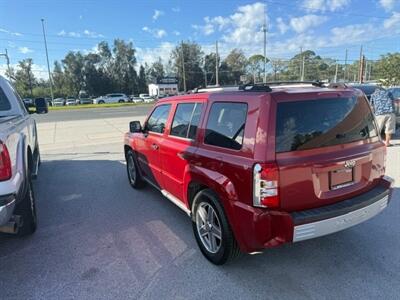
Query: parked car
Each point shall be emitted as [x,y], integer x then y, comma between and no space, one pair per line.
[28,102]
[262,166]
[59,102]
[136,99]
[367,89]
[396,94]
[147,99]
[70,101]
[49,101]
[19,163]
[111,98]
[85,101]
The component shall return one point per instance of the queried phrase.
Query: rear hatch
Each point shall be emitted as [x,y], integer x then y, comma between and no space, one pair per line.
[327,148]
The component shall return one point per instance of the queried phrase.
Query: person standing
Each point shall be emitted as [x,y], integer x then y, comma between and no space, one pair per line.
[382,102]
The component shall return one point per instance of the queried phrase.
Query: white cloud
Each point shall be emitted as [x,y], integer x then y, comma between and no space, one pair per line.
[388,5]
[25,50]
[155,32]
[324,5]
[92,34]
[76,34]
[393,22]
[39,71]
[175,32]
[10,32]
[302,24]
[80,17]
[150,55]
[282,26]
[176,9]
[157,14]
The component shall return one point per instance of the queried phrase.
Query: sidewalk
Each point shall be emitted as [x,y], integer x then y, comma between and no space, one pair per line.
[71,135]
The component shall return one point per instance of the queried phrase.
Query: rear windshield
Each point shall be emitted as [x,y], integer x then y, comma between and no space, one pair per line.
[318,123]
[4,103]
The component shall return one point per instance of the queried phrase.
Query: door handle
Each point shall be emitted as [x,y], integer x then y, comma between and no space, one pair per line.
[154,147]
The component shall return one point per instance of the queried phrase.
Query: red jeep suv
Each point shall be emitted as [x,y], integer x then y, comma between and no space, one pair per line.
[263,165]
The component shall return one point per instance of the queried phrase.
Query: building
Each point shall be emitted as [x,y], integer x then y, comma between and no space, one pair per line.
[167,86]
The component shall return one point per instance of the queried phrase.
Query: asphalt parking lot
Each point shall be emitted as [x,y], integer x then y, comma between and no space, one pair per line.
[100,239]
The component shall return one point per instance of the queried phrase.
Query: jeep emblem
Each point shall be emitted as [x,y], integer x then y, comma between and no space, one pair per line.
[349,164]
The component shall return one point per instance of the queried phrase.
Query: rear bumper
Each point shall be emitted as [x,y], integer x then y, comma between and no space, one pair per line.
[7,205]
[264,229]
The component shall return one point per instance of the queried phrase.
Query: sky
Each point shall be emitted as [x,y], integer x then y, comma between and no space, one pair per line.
[328,27]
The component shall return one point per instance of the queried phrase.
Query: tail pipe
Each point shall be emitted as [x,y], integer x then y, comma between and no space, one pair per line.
[12,226]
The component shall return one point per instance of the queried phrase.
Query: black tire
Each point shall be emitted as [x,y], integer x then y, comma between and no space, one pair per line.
[101,102]
[228,249]
[121,101]
[27,210]
[134,176]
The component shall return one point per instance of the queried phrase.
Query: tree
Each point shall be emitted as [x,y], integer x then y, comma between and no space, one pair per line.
[256,66]
[123,65]
[73,65]
[24,78]
[388,69]
[278,67]
[210,61]
[142,87]
[236,63]
[189,55]
[156,71]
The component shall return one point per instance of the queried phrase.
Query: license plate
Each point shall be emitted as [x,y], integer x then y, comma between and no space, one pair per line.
[341,178]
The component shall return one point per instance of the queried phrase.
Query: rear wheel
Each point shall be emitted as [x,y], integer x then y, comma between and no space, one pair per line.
[211,229]
[27,210]
[101,102]
[121,101]
[134,176]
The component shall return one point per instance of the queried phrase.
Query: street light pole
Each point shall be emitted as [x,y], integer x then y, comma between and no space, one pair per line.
[8,63]
[47,57]
[265,45]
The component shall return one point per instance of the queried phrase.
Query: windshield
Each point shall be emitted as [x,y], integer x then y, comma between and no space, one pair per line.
[318,123]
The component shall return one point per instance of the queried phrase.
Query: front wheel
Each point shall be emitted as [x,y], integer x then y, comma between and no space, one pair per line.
[134,176]
[211,229]
[121,101]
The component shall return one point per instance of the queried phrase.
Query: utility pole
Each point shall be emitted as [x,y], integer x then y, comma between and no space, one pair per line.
[264,29]
[216,65]
[47,57]
[8,63]
[336,71]
[360,66]
[345,67]
[302,65]
[183,69]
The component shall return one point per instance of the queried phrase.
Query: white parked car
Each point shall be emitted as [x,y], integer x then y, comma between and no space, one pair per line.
[148,99]
[111,98]
[59,102]
[70,101]
[136,99]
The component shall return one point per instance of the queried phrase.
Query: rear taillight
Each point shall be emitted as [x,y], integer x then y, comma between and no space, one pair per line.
[266,185]
[5,163]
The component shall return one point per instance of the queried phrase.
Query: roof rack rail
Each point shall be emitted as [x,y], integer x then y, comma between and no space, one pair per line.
[314,83]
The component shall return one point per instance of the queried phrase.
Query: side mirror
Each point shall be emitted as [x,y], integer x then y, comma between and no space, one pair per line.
[135,126]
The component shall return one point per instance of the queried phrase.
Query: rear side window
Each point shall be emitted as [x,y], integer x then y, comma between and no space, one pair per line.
[186,120]
[157,120]
[4,103]
[322,122]
[225,126]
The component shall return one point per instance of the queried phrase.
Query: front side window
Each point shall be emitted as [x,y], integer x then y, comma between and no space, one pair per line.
[157,120]
[225,126]
[186,120]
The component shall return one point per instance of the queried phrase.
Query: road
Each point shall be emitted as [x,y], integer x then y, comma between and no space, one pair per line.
[93,113]
[100,239]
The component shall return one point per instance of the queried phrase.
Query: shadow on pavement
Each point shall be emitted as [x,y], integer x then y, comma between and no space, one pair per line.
[100,239]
